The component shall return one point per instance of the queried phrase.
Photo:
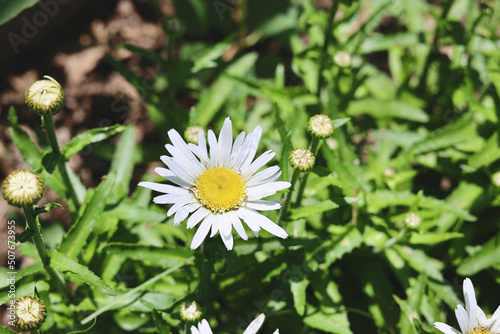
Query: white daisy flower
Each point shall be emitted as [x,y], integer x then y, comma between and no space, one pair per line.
[219,187]
[204,327]
[472,319]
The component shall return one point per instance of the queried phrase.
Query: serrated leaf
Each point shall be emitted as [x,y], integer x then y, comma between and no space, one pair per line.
[385,198]
[77,143]
[207,57]
[337,123]
[387,109]
[488,256]
[433,238]
[313,209]
[214,97]
[83,331]
[79,232]
[123,164]
[134,293]
[299,295]
[164,257]
[73,269]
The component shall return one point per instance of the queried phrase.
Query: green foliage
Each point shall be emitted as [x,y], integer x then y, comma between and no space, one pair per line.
[415,112]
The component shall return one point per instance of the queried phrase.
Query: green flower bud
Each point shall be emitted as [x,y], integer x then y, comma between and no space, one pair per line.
[191,134]
[496,179]
[45,97]
[320,126]
[343,59]
[302,159]
[190,311]
[22,188]
[30,313]
[412,220]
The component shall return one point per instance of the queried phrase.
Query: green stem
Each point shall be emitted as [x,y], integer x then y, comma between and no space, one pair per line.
[328,39]
[288,197]
[63,168]
[34,226]
[314,149]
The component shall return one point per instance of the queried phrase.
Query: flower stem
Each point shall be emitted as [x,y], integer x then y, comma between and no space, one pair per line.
[34,226]
[63,168]
[314,149]
[288,197]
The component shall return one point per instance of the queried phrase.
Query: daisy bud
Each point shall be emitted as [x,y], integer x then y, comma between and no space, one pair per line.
[320,126]
[302,159]
[191,134]
[30,313]
[190,311]
[343,59]
[45,97]
[22,188]
[412,220]
[496,179]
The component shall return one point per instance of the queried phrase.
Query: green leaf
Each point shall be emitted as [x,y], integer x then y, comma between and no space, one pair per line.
[73,269]
[164,257]
[313,209]
[77,143]
[488,154]
[127,210]
[5,330]
[337,123]
[123,164]
[385,198]
[433,238]
[134,293]
[299,295]
[214,97]
[488,256]
[206,58]
[160,324]
[328,319]
[387,109]
[79,232]
[88,330]
[11,8]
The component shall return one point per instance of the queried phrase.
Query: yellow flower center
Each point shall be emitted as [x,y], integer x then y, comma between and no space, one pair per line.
[480,331]
[220,189]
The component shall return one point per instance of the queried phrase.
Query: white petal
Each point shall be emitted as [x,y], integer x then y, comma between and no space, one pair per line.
[495,321]
[184,212]
[265,223]
[183,173]
[214,151]
[238,226]
[262,205]
[196,217]
[180,203]
[225,142]
[470,305]
[237,151]
[179,154]
[204,327]
[277,331]
[265,190]
[194,330]
[201,233]
[253,144]
[270,174]
[166,199]
[463,320]
[255,325]
[169,175]
[257,164]
[445,328]
[216,224]
[228,241]
[225,225]
[163,188]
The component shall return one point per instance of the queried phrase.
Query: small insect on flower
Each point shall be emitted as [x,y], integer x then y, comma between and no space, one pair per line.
[221,186]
